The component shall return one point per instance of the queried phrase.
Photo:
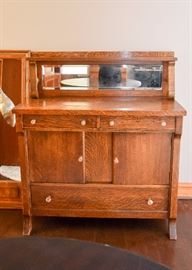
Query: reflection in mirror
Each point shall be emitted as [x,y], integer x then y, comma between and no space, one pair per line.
[62,76]
[85,77]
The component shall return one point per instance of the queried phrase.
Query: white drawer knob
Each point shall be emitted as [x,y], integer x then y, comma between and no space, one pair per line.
[48,199]
[33,121]
[116,160]
[83,122]
[150,202]
[163,123]
[111,123]
[80,159]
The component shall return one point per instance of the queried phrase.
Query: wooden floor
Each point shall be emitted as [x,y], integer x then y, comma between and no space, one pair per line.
[145,237]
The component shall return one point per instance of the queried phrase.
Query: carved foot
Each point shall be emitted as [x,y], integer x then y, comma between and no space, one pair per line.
[172,229]
[27,225]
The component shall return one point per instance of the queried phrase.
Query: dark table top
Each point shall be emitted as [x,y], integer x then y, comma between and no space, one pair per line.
[27,253]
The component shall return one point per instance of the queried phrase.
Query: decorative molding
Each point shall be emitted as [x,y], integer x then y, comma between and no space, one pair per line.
[185,191]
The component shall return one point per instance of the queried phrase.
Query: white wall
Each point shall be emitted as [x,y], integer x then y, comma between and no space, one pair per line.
[108,25]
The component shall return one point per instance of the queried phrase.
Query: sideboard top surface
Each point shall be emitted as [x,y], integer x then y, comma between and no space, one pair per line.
[133,106]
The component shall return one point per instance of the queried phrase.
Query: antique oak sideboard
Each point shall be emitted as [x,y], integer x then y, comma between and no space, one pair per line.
[99,136]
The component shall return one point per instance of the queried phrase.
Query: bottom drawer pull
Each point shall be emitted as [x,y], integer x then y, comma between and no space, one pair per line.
[116,160]
[150,201]
[163,124]
[48,199]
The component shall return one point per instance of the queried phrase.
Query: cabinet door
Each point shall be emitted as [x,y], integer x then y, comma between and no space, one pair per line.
[141,158]
[55,156]
[98,157]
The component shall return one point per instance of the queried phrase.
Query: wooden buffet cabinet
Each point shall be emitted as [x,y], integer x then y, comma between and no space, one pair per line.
[100,150]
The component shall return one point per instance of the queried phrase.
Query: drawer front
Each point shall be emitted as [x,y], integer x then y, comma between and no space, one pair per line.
[141,123]
[47,122]
[105,197]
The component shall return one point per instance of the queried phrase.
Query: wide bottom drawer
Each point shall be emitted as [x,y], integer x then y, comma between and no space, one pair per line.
[91,197]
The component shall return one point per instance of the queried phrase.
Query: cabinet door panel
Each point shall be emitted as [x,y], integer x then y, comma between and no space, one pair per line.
[142,158]
[55,157]
[98,157]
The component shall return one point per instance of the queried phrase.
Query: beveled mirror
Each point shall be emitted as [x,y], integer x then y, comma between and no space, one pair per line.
[102,77]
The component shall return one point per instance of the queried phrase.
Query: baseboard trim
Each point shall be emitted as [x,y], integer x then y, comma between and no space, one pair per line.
[185,191]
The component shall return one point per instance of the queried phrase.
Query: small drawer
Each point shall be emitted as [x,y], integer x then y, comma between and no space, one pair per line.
[103,198]
[128,123]
[47,122]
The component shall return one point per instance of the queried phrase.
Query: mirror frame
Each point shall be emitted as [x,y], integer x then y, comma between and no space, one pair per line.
[38,59]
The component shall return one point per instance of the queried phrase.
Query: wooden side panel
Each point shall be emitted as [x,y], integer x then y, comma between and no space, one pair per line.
[171,79]
[98,157]
[165,79]
[10,195]
[142,158]
[33,80]
[55,157]
[11,85]
[23,154]
[175,168]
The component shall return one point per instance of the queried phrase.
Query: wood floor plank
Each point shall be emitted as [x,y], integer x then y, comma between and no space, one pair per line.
[145,237]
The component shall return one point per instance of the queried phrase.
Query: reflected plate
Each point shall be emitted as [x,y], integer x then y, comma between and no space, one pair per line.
[76,82]
[84,82]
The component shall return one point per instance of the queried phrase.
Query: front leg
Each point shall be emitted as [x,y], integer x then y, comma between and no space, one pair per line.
[27,225]
[172,229]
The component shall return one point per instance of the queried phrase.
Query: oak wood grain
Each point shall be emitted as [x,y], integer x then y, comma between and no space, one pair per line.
[10,194]
[95,92]
[100,153]
[142,158]
[11,76]
[98,56]
[117,106]
[33,80]
[13,82]
[171,79]
[174,176]
[14,54]
[24,163]
[98,157]
[96,197]
[57,159]
[128,123]
[100,213]
[41,122]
